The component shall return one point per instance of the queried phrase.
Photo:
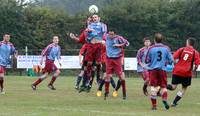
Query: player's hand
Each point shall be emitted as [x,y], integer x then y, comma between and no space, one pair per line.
[142,65]
[81,63]
[71,35]
[117,45]
[103,42]
[89,30]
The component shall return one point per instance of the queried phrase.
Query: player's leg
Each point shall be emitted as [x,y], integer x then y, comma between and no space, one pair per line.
[112,82]
[153,96]
[98,70]
[119,72]
[164,96]
[179,96]
[118,82]
[2,70]
[86,76]
[53,79]
[89,86]
[109,72]
[107,84]
[49,67]
[79,78]
[39,80]
[101,84]
[101,81]
[175,81]
[103,69]
[89,57]
[98,59]
[153,81]
[163,85]
[123,84]
[145,76]
[185,83]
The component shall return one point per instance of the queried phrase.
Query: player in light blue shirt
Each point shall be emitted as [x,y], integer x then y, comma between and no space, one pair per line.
[96,29]
[114,44]
[157,58]
[51,52]
[141,55]
[6,50]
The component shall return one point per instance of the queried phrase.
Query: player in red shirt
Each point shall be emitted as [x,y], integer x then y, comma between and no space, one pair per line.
[188,60]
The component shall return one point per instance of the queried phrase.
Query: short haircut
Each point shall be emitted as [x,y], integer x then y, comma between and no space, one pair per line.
[6,34]
[158,37]
[112,29]
[191,41]
[146,38]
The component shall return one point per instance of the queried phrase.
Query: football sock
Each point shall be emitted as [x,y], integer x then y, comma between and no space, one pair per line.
[123,87]
[153,101]
[118,85]
[52,80]
[112,83]
[37,82]
[79,78]
[1,83]
[178,97]
[164,96]
[84,82]
[98,72]
[101,85]
[107,84]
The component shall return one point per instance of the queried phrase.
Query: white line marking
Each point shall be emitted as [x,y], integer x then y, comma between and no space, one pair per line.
[89,111]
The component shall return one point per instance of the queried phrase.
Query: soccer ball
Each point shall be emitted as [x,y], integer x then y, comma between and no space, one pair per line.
[93,9]
[37,68]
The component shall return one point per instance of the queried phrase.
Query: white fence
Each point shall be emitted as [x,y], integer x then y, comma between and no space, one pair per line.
[68,62]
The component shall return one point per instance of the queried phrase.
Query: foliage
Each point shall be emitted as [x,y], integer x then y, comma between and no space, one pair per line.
[33,24]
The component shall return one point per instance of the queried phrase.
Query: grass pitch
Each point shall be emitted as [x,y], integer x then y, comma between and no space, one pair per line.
[20,100]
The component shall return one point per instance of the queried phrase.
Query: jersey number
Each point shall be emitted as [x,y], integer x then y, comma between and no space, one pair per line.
[159,56]
[185,57]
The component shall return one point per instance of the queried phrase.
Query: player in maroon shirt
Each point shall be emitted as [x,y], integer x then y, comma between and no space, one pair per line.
[188,60]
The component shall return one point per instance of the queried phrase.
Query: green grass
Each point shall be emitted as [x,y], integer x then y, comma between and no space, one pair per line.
[20,100]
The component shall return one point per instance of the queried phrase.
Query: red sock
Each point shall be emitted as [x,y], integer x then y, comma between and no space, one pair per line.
[164,96]
[37,82]
[1,83]
[107,84]
[123,86]
[52,80]
[153,101]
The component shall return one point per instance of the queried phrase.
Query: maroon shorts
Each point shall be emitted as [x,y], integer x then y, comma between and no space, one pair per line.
[114,65]
[158,78]
[145,75]
[93,52]
[2,69]
[49,67]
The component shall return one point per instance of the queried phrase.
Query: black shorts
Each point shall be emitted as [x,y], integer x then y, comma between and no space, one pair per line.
[185,81]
